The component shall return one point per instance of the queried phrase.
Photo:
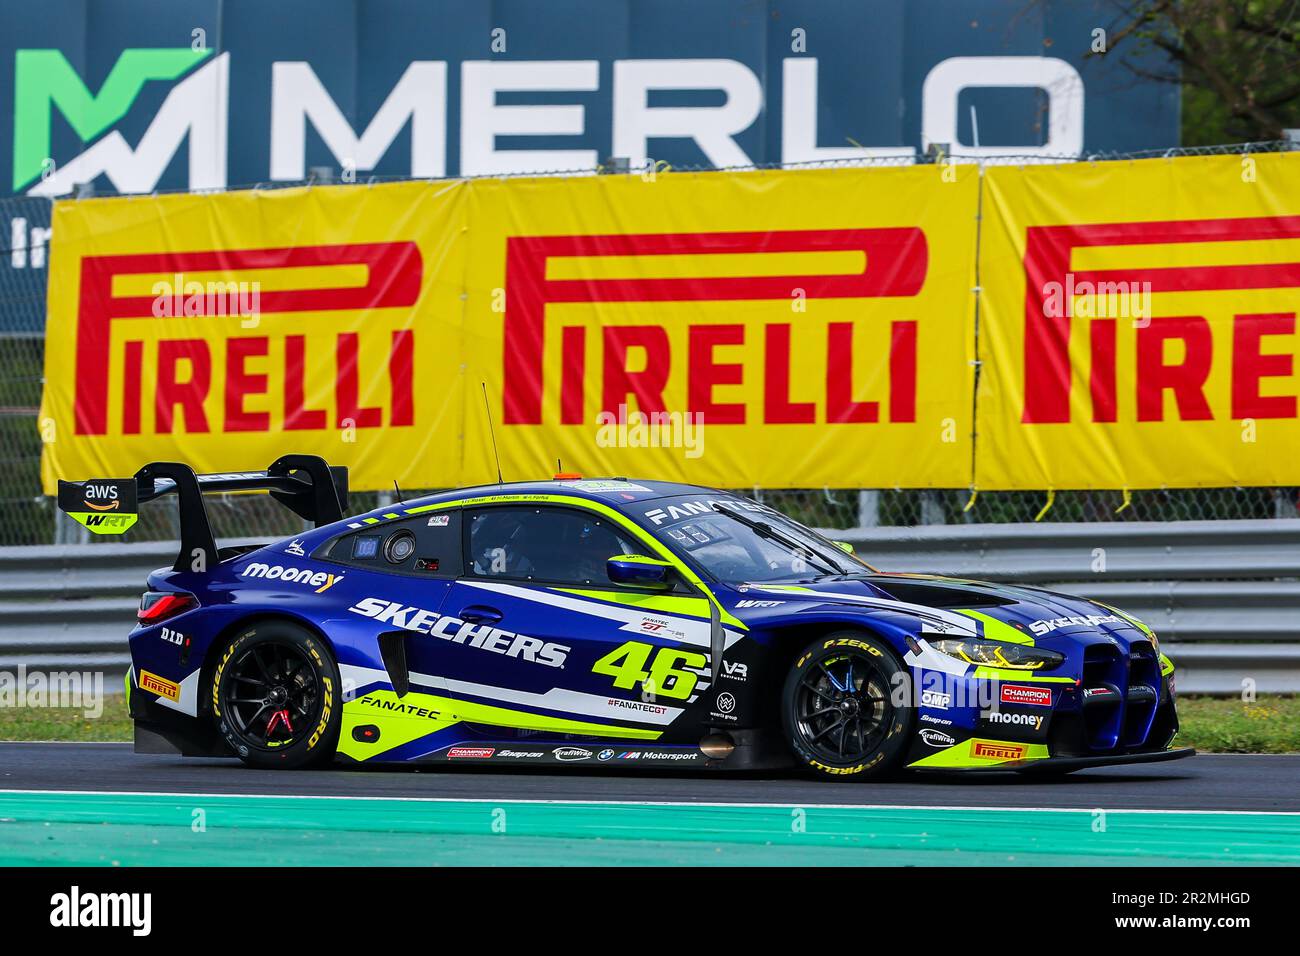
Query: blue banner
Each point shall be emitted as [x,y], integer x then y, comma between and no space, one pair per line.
[137,95]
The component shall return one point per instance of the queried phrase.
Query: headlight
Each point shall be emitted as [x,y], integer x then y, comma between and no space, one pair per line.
[1020,657]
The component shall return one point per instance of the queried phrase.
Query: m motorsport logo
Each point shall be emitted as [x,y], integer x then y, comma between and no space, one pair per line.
[45,83]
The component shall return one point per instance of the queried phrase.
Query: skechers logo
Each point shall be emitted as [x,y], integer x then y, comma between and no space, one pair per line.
[483,636]
[1092,620]
[320,581]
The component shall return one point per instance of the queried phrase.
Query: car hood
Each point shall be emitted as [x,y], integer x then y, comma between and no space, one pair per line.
[954,606]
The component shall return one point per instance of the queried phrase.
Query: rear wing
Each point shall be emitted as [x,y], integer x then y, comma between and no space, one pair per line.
[305,484]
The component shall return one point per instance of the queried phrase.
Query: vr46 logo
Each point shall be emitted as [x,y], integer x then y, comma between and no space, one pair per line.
[628,664]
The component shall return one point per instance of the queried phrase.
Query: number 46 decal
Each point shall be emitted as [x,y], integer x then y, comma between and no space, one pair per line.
[630,664]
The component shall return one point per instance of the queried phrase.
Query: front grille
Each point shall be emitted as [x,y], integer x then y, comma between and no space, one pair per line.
[1120,695]
[1143,693]
[1103,666]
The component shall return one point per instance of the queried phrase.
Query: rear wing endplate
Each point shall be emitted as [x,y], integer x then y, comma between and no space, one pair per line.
[305,484]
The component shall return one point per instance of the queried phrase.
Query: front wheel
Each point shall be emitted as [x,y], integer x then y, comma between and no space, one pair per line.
[838,711]
[275,696]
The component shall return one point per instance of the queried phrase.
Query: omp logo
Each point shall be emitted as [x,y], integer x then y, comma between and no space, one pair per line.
[481,636]
[319,581]
[997,751]
[187,370]
[936,699]
[1050,254]
[160,685]
[44,81]
[889,262]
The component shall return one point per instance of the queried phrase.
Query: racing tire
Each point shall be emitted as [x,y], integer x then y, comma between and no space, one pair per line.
[276,697]
[839,711]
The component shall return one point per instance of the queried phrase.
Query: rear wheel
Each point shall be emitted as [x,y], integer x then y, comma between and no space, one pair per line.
[839,715]
[275,696]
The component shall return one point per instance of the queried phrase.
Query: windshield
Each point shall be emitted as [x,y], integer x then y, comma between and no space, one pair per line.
[728,545]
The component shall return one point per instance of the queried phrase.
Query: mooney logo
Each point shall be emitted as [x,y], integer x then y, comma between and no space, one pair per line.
[186,371]
[893,263]
[319,581]
[1049,251]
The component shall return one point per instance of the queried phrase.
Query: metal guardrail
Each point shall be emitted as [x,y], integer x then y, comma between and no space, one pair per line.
[1223,596]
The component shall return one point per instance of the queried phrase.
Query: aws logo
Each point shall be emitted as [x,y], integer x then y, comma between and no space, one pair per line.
[45,82]
[101,505]
[101,497]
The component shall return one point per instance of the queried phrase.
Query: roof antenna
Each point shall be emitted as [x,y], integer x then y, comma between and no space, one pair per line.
[398,491]
[487,406]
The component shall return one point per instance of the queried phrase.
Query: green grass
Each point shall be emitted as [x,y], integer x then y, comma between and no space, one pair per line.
[66,723]
[1271,725]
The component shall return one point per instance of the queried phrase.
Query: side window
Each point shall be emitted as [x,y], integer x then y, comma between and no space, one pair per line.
[428,544]
[560,545]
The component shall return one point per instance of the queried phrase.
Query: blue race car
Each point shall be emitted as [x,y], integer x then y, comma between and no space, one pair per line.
[609,621]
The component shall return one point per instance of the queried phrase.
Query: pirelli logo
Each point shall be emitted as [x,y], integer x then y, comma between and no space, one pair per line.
[160,686]
[996,751]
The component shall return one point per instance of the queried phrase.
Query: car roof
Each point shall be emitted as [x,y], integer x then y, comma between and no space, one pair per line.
[615,492]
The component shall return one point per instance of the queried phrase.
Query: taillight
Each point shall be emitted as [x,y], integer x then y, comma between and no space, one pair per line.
[157,606]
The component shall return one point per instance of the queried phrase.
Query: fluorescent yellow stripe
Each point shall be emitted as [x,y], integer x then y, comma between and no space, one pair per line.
[996,630]
[665,604]
[1002,673]
[398,729]
[962,754]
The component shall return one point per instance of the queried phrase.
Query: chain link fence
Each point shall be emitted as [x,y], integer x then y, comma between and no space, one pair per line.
[29,517]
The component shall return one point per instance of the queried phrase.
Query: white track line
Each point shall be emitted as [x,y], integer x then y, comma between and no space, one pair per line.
[639,803]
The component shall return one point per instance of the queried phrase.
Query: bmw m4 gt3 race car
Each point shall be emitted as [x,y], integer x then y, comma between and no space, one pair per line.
[606,622]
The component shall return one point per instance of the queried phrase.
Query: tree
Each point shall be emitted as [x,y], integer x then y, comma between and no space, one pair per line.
[1237,61]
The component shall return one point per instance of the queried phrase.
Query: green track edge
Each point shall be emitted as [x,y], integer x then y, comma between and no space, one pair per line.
[97,829]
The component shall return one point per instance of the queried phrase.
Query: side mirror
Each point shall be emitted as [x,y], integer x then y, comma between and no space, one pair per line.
[844,546]
[638,571]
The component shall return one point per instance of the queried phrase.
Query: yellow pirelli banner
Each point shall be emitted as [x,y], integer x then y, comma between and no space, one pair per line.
[1138,324]
[781,329]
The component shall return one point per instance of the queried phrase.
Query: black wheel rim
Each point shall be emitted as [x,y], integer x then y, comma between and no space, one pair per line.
[842,708]
[271,697]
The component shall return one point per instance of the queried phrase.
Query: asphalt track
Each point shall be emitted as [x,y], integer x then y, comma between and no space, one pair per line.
[102,804]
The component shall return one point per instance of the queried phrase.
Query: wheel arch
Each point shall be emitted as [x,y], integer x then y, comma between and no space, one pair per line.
[788,640]
[228,631]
